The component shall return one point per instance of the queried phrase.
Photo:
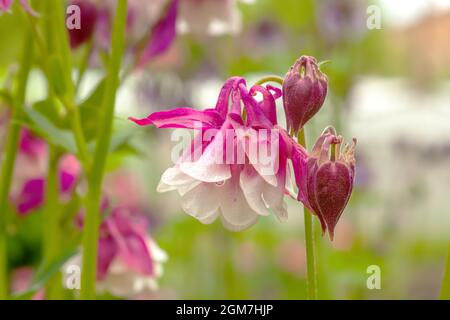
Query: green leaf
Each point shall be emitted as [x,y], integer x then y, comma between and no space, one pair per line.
[46,271]
[57,137]
[6,97]
[58,79]
[49,109]
[90,111]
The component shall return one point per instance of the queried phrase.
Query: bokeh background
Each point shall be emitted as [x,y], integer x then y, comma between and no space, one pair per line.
[389,87]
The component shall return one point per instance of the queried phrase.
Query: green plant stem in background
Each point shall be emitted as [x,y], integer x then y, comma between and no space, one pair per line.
[57,44]
[445,288]
[55,13]
[77,130]
[10,159]
[52,228]
[95,178]
[309,241]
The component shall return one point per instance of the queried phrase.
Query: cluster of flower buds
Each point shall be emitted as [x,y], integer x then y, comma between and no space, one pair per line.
[325,178]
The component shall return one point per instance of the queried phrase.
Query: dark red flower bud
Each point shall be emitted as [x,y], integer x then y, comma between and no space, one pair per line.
[328,182]
[88,21]
[304,91]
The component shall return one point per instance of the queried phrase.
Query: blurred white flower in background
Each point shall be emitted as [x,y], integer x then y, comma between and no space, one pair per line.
[210,17]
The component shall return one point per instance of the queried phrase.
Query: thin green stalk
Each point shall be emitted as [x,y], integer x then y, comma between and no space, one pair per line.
[52,231]
[55,36]
[77,129]
[274,78]
[10,159]
[95,177]
[84,64]
[445,288]
[309,241]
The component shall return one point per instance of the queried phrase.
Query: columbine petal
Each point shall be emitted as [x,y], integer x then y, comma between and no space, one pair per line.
[236,215]
[253,186]
[211,167]
[162,35]
[267,104]
[202,202]
[31,196]
[222,105]
[107,250]
[182,118]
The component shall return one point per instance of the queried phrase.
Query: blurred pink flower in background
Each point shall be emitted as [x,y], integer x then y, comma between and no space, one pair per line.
[21,279]
[125,188]
[88,20]
[291,257]
[31,145]
[153,25]
[29,173]
[28,189]
[345,237]
[5,5]
[248,258]
[210,17]
[129,262]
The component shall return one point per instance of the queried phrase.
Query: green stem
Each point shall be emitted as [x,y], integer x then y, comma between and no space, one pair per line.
[309,241]
[84,64]
[10,159]
[95,178]
[445,289]
[273,78]
[52,231]
[77,129]
[52,27]
[62,48]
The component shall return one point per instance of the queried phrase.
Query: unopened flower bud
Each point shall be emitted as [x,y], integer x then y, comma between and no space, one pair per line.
[304,91]
[329,179]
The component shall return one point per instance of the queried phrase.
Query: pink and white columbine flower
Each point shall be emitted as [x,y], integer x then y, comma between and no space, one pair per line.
[129,262]
[216,183]
[5,5]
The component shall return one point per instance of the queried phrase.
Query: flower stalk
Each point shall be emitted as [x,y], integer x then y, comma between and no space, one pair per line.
[309,240]
[95,177]
[272,78]
[10,159]
[52,232]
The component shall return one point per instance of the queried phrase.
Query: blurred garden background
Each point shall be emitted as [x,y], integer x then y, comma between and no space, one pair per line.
[388,86]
